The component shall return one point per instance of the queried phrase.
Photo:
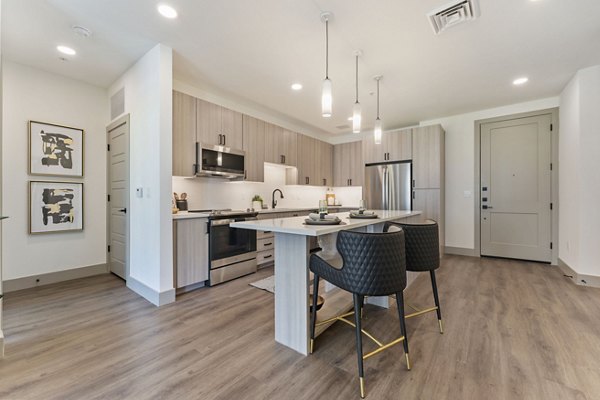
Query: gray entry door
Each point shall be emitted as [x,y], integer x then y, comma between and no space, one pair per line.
[516,188]
[118,201]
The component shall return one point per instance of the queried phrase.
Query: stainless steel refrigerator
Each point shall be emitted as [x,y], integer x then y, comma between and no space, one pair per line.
[388,186]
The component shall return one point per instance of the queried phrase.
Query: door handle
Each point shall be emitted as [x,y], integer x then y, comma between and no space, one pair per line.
[486,207]
[123,210]
[220,139]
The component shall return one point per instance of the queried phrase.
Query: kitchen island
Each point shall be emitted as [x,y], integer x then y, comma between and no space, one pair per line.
[292,278]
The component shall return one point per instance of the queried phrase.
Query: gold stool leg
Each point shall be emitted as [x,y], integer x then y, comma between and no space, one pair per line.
[441,326]
[312,345]
[407,361]
[362,388]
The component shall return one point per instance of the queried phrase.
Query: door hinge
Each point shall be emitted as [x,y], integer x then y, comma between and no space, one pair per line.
[551,127]
[109,248]
[550,245]
[108,197]
[108,147]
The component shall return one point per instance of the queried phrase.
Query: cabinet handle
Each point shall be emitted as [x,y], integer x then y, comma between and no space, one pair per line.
[350,182]
[268,244]
[413,195]
[284,159]
[347,182]
[268,256]
[281,159]
[245,174]
[414,183]
[306,180]
[324,182]
[197,155]
[224,140]
[220,139]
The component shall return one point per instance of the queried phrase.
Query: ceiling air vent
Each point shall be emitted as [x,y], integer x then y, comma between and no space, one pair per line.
[452,14]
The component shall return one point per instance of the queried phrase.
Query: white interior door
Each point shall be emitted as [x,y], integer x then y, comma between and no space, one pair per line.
[118,197]
[516,188]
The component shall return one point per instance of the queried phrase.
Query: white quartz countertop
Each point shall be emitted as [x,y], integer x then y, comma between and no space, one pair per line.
[296,226]
[187,215]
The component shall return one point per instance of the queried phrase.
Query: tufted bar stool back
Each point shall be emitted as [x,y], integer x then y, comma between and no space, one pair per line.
[422,245]
[374,264]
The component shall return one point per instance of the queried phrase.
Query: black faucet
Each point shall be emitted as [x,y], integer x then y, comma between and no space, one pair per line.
[273,201]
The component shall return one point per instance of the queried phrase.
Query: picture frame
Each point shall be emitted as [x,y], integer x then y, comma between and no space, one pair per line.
[55,207]
[56,150]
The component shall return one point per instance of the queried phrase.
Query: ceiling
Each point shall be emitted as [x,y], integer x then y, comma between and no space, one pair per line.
[255,49]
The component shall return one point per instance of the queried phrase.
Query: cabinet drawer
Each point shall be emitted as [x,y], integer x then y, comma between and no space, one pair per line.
[263,235]
[265,244]
[265,257]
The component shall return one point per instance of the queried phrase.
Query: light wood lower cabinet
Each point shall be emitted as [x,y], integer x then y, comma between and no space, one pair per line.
[431,202]
[190,243]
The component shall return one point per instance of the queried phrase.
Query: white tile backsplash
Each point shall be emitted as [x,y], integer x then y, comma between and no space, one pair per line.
[208,193]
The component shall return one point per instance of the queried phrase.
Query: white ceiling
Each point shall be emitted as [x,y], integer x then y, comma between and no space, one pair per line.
[256,49]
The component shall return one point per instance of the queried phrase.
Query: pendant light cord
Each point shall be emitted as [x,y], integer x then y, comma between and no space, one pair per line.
[327,49]
[377,98]
[357,78]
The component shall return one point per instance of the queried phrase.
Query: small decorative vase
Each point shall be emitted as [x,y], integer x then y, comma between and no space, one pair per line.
[257,205]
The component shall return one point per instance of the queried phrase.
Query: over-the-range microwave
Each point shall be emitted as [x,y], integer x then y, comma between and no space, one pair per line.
[219,161]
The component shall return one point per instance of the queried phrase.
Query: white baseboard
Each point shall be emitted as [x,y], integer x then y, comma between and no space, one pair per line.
[154,297]
[461,251]
[12,285]
[577,278]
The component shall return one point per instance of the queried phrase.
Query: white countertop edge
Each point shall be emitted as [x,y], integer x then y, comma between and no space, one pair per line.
[187,215]
[295,225]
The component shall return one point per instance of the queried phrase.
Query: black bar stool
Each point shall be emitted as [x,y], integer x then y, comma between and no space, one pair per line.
[373,265]
[422,254]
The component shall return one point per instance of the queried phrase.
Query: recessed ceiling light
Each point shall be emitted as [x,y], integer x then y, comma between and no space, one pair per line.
[66,50]
[520,81]
[167,11]
[296,86]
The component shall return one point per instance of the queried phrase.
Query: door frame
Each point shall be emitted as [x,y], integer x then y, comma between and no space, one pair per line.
[124,120]
[554,176]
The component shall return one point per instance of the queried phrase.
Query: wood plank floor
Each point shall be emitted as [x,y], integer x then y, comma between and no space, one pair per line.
[513,330]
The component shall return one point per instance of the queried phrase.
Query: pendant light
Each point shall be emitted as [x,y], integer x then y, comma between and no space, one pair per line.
[326,93]
[377,131]
[356,110]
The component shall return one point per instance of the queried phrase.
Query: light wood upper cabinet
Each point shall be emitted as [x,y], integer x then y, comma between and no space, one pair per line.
[191,251]
[184,134]
[254,146]
[394,146]
[348,166]
[325,163]
[428,157]
[307,160]
[398,145]
[281,145]
[218,125]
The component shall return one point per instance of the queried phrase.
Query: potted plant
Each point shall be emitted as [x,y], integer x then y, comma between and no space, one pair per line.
[257,202]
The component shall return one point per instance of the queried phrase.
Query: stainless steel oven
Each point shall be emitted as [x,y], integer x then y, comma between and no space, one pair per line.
[232,252]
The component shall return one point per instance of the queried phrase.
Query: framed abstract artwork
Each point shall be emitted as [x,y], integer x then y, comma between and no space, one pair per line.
[55,207]
[55,150]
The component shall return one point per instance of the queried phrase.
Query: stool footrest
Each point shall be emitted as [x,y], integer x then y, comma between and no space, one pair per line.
[427,310]
[384,347]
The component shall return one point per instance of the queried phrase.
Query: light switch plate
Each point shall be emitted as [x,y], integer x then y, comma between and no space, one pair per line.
[139,192]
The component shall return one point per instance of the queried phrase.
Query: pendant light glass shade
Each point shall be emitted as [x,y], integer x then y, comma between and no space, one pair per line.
[356,117]
[326,98]
[377,132]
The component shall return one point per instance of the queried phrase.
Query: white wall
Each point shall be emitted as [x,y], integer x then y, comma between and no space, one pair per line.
[148,99]
[578,171]
[460,170]
[211,193]
[32,94]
